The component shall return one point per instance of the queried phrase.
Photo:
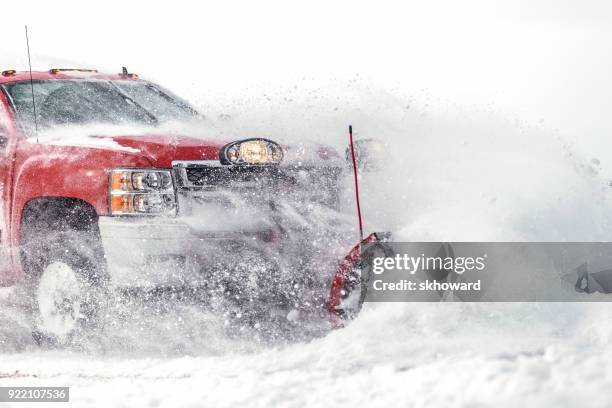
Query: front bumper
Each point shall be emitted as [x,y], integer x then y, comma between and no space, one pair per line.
[230,220]
[162,252]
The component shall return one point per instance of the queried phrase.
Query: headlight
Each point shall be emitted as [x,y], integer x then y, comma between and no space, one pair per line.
[140,191]
[251,151]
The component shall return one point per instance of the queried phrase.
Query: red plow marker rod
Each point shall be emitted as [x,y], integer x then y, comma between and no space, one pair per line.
[356,182]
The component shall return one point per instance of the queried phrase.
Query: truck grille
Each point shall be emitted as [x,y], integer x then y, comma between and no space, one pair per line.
[205,177]
[208,181]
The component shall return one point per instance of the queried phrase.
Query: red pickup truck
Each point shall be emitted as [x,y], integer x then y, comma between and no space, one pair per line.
[100,193]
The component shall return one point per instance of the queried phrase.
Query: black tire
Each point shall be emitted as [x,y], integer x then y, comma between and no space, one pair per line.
[63,242]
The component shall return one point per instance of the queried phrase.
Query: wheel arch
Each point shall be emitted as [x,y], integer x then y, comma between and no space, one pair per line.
[53,213]
[79,213]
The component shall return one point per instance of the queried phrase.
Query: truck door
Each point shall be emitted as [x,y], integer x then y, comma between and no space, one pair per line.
[7,148]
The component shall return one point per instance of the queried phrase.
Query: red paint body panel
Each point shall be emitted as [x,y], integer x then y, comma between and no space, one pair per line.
[66,171]
[162,149]
[7,164]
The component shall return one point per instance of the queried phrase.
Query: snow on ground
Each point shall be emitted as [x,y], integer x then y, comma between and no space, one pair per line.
[425,355]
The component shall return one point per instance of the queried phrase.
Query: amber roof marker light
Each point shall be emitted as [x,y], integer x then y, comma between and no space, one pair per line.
[124,73]
[9,72]
[56,71]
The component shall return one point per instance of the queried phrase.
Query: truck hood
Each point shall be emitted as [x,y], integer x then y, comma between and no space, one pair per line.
[162,149]
[159,149]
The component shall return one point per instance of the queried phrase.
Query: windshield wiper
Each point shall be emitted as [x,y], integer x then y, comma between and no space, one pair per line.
[125,96]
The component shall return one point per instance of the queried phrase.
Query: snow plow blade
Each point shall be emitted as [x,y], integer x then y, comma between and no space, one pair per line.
[348,289]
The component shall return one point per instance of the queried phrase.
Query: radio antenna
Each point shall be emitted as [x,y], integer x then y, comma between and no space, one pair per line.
[31,82]
[356,182]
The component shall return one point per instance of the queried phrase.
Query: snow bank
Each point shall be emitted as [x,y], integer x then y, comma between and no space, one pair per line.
[429,355]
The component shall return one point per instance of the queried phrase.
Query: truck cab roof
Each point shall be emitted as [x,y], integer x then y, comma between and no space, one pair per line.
[8,76]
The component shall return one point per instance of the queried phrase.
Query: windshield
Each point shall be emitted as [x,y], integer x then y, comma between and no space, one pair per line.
[80,102]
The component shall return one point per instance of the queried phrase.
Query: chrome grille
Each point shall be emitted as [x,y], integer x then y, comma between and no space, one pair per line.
[207,181]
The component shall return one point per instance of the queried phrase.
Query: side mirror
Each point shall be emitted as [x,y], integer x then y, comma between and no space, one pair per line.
[370,154]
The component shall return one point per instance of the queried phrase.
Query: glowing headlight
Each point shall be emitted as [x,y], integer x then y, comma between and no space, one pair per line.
[140,191]
[251,151]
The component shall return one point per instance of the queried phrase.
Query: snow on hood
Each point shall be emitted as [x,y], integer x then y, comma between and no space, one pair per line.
[174,141]
[96,136]
[161,145]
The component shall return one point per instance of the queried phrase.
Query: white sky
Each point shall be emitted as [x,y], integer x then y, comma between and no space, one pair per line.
[535,60]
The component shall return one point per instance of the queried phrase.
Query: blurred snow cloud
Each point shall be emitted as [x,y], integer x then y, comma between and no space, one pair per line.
[544,61]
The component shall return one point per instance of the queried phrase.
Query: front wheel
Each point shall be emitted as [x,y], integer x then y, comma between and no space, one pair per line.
[59,300]
[65,280]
